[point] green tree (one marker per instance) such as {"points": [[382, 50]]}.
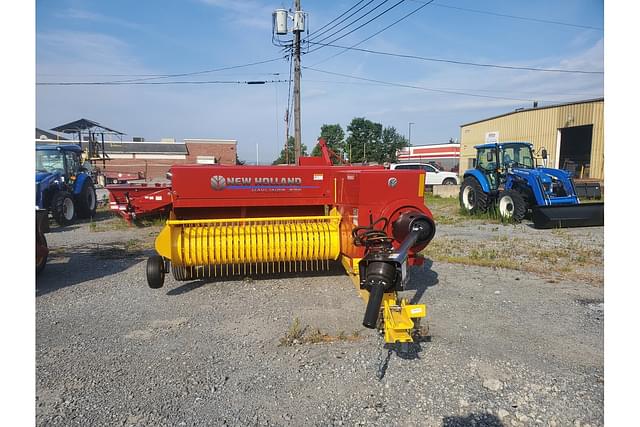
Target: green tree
{"points": [[291, 151], [380, 144], [392, 141], [334, 137], [364, 138]]}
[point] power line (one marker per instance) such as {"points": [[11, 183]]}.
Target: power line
{"points": [[450, 92], [319, 33], [376, 33], [194, 73], [452, 61], [360, 26], [523, 18], [143, 75], [589, 95], [342, 14], [192, 82]]}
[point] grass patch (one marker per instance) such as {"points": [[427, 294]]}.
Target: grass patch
{"points": [[293, 335], [567, 258], [155, 221], [110, 225], [296, 335], [448, 211]]}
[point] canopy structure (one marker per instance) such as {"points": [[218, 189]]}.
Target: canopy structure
{"points": [[90, 129]]}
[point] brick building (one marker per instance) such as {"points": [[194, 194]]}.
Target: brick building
{"points": [[153, 159]]}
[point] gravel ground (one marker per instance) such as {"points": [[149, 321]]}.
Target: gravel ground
{"points": [[506, 347]]}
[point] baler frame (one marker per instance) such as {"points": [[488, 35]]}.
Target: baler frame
{"points": [[227, 220]]}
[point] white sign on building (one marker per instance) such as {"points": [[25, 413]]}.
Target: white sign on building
{"points": [[492, 137]]}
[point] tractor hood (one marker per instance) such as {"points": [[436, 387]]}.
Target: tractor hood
{"points": [[553, 185], [546, 175], [42, 176], [47, 177]]}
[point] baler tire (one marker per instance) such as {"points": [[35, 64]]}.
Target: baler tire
{"points": [[87, 200], [511, 206], [481, 200], [155, 272], [60, 205]]}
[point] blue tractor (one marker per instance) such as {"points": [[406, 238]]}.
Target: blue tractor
{"points": [[505, 176], [63, 186]]}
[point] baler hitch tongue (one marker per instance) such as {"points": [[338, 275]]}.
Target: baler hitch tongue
{"points": [[385, 271], [582, 215]]}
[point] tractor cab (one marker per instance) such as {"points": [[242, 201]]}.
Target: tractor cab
{"points": [[494, 160], [61, 160]]}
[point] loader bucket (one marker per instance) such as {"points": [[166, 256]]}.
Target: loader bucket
{"points": [[560, 216]]}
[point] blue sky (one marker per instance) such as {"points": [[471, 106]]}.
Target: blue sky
{"points": [[90, 41]]}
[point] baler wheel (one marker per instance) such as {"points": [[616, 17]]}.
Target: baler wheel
{"points": [[472, 198], [511, 206], [155, 272], [62, 208]]}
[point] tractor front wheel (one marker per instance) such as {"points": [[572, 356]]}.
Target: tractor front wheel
{"points": [[87, 200], [155, 272], [511, 206], [62, 208], [472, 198]]}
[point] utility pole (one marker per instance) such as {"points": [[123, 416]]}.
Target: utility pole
{"points": [[286, 137], [281, 19], [296, 82]]}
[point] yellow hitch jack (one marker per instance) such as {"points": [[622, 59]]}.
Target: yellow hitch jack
{"points": [[398, 326]]}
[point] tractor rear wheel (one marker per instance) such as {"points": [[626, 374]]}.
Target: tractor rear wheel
{"points": [[472, 198], [155, 272], [511, 205], [87, 200], [62, 208]]}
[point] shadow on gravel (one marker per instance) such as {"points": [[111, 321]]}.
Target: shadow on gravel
{"points": [[335, 269], [421, 279], [404, 351], [84, 264], [485, 420]]}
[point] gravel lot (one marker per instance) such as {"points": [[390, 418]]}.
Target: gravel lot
{"points": [[507, 346]]}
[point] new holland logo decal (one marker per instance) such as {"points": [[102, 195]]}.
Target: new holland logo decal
{"points": [[219, 182]]}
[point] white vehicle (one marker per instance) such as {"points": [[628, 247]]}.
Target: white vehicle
{"points": [[433, 176]]}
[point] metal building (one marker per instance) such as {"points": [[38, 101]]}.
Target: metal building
{"points": [[572, 134]]}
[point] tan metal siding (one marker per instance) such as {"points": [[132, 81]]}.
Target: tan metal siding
{"points": [[540, 127]]}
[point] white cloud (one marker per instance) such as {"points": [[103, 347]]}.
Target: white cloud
{"points": [[86, 15], [245, 14]]}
